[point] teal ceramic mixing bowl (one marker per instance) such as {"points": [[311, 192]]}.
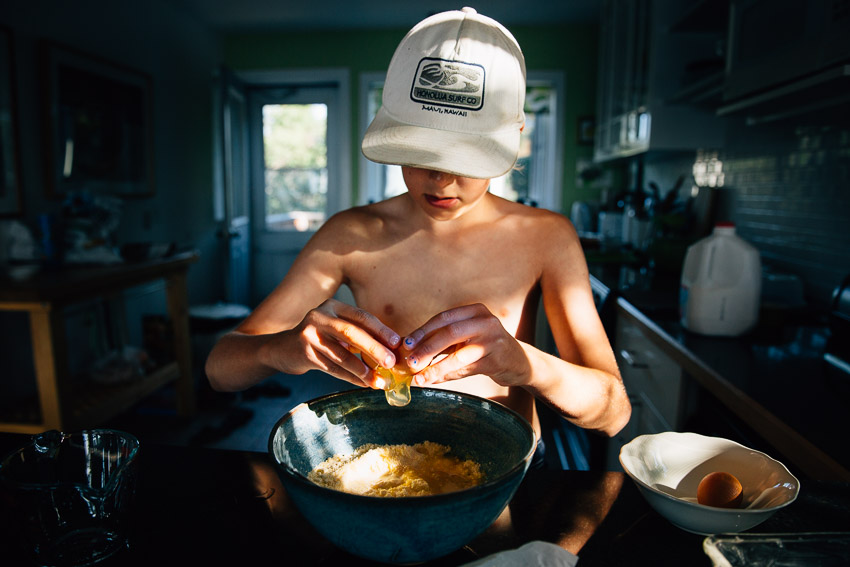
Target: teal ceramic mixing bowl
{"points": [[408, 529]]}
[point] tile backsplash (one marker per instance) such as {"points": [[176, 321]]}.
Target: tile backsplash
{"points": [[786, 186]]}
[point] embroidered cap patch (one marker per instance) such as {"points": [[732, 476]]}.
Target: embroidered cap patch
{"points": [[449, 83]]}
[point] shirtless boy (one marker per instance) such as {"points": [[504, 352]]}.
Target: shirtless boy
{"points": [[446, 277]]}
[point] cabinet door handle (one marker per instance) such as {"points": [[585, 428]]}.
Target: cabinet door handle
{"points": [[630, 360]]}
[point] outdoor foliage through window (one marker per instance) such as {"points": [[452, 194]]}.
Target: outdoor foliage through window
{"points": [[296, 165]]}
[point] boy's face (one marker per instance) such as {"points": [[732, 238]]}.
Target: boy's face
{"points": [[443, 196]]}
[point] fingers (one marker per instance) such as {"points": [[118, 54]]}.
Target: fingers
{"points": [[365, 320], [333, 356], [373, 352], [462, 362], [454, 344], [463, 342], [446, 318], [367, 334], [351, 369], [444, 333], [345, 365], [337, 332]]}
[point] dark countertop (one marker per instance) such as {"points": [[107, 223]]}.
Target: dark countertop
{"points": [[197, 506], [777, 370]]}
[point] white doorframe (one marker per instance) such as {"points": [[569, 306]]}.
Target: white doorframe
{"points": [[552, 183], [275, 251], [339, 129], [367, 169]]}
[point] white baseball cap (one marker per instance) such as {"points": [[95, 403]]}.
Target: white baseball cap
{"points": [[453, 98]]}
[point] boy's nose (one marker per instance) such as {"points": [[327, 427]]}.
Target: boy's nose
{"points": [[441, 176]]}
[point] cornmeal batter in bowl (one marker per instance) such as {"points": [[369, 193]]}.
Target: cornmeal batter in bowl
{"points": [[398, 470]]}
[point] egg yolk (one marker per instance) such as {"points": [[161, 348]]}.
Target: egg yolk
{"points": [[398, 380], [720, 489]]}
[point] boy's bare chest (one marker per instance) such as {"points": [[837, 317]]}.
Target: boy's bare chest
{"points": [[408, 283]]}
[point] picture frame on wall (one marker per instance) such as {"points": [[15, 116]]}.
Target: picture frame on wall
{"points": [[99, 125], [10, 170], [586, 130]]}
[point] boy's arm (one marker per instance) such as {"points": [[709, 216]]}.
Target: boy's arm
{"points": [[298, 327], [583, 385]]}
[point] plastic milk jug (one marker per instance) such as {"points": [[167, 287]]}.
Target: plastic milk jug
{"points": [[720, 290]]}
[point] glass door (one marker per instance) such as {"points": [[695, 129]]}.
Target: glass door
{"points": [[296, 168]]}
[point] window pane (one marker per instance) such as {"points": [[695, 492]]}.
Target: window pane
{"points": [[516, 185], [296, 165], [388, 181]]}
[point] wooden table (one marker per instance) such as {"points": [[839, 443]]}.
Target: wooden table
{"points": [[44, 297]]}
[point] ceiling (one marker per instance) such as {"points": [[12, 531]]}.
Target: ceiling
{"points": [[268, 15]]}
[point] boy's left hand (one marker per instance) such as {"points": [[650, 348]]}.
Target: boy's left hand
{"points": [[465, 341]]}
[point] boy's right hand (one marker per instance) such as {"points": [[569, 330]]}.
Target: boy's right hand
{"points": [[328, 338]]}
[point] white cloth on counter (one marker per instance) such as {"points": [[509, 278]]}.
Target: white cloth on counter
{"points": [[532, 554]]}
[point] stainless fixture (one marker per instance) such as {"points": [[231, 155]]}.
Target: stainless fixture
{"points": [[837, 353]]}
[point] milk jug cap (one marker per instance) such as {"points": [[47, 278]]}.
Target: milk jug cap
{"points": [[724, 228]]}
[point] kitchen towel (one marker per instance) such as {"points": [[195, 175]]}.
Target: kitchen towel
{"points": [[532, 554]]}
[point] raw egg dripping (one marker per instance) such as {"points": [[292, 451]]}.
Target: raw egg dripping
{"points": [[397, 388]]}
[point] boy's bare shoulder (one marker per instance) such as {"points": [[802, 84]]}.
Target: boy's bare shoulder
{"points": [[539, 221], [348, 228], [547, 236]]}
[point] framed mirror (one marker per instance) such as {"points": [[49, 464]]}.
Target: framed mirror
{"points": [[100, 134]]}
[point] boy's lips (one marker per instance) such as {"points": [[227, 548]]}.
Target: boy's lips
{"points": [[441, 202]]}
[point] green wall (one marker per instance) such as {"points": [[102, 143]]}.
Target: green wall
{"points": [[570, 48]]}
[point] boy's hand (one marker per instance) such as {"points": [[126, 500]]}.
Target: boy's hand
{"points": [[462, 342], [329, 337]]}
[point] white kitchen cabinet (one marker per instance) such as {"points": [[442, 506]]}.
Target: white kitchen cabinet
{"points": [[646, 61], [653, 381]]}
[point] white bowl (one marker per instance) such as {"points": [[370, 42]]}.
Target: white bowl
{"points": [[668, 467]]}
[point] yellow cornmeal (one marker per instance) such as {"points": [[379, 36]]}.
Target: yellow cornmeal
{"points": [[398, 470]]}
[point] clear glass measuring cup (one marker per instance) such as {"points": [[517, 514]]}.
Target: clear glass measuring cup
{"points": [[70, 494]]}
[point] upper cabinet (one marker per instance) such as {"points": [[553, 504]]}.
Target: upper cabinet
{"points": [[661, 64], [786, 57], [672, 71]]}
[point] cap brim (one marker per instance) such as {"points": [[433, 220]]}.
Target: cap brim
{"points": [[482, 156]]}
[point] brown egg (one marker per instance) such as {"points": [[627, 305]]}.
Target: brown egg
{"points": [[720, 489]]}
